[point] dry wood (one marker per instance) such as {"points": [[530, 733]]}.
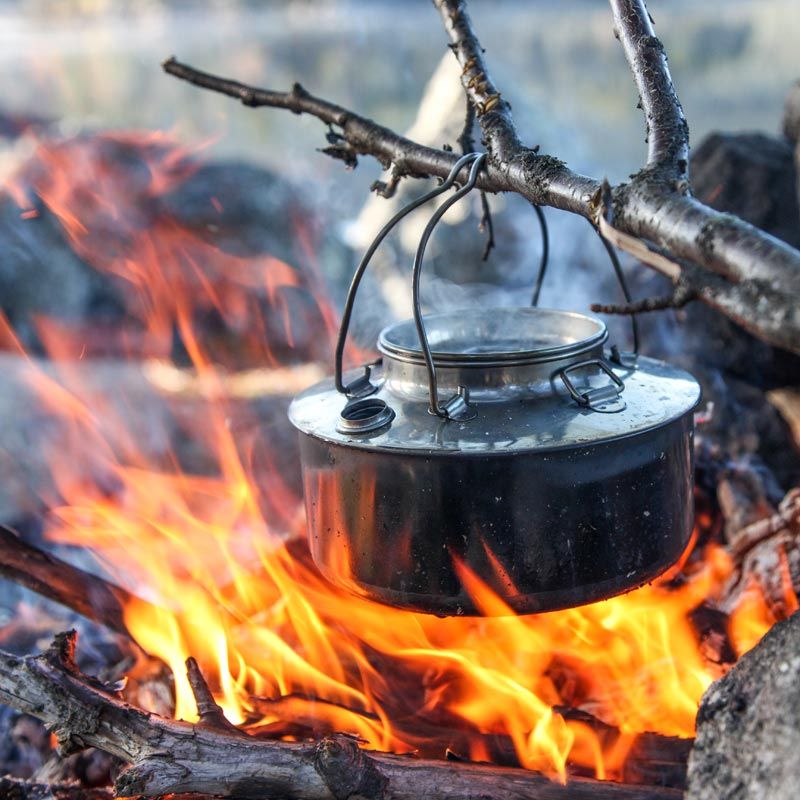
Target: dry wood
{"points": [[167, 756], [787, 401], [743, 272], [765, 546], [654, 759], [89, 595]]}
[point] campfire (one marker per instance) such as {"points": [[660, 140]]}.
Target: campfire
{"points": [[169, 511]]}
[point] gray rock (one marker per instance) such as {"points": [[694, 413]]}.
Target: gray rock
{"points": [[748, 725]]}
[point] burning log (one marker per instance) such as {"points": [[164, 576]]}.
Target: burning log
{"points": [[167, 756], [653, 759], [89, 595], [764, 544]]}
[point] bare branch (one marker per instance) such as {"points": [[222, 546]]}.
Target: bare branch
{"points": [[209, 711], [678, 299], [494, 112], [362, 135], [737, 268], [81, 591], [667, 131]]}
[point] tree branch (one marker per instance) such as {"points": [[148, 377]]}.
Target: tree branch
{"points": [[667, 131], [554, 185], [166, 756], [89, 595], [494, 112], [678, 299], [745, 273]]}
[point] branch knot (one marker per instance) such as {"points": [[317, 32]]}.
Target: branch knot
{"points": [[348, 771]]}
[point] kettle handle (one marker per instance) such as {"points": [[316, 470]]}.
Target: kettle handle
{"points": [[623, 359], [457, 407], [362, 386]]}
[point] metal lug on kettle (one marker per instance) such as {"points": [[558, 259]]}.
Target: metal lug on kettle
{"points": [[458, 407], [622, 358], [596, 399], [361, 386]]}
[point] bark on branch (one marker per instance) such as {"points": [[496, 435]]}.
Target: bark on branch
{"points": [[667, 130], [743, 272], [166, 756]]}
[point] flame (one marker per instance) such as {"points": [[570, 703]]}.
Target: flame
{"points": [[217, 557]]}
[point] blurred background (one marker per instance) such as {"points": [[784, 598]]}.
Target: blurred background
{"points": [[83, 65], [95, 63]]}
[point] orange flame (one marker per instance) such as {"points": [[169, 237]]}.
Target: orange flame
{"points": [[288, 654]]}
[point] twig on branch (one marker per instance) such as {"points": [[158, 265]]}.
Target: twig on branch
{"points": [[678, 299], [166, 756], [209, 711]]}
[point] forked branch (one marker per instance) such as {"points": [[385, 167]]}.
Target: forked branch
{"points": [[743, 272]]}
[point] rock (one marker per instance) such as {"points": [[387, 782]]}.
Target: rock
{"points": [[748, 726], [751, 175]]}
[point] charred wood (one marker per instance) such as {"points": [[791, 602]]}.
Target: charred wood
{"points": [[18, 789], [167, 756]]}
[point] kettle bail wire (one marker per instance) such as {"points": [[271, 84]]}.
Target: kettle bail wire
{"points": [[456, 407], [362, 386], [618, 357]]}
